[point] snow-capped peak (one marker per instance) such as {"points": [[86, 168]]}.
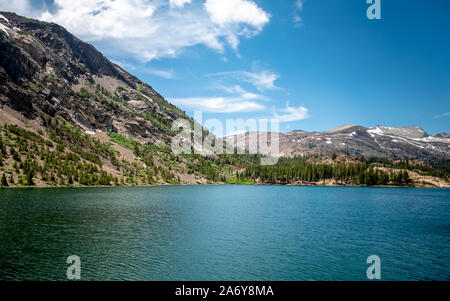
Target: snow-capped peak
{"points": [[412, 132]]}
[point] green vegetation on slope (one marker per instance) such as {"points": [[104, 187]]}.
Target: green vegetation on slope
{"points": [[121, 140], [64, 155], [68, 156]]}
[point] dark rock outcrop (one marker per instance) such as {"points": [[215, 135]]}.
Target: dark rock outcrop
{"points": [[44, 68]]}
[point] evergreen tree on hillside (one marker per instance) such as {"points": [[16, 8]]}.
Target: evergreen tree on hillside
{"points": [[30, 175], [2, 147], [4, 182]]}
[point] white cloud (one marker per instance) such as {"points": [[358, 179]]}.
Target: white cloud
{"points": [[264, 80], [178, 3], [219, 104], [236, 11], [152, 29], [290, 114], [442, 115], [238, 90], [238, 100], [103, 19]]}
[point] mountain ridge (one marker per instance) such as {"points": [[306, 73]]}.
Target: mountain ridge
{"points": [[410, 142]]}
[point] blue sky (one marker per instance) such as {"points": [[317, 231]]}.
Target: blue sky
{"points": [[314, 64]]}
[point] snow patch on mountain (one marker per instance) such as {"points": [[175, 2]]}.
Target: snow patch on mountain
{"points": [[3, 18], [412, 132], [375, 131], [4, 28], [433, 139]]}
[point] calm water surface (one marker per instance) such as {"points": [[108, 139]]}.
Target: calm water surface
{"points": [[225, 233]]}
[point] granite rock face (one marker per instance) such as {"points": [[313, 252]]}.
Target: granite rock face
{"points": [[44, 68]]}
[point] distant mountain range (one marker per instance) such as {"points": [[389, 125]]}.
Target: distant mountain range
{"points": [[69, 103], [379, 141]]}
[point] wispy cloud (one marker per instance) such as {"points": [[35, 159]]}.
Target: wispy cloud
{"points": [[219, 104], [238, 90], [152, 29], [264, 80], [290, 114], [446, 114], [167, 74], [299, 5], [298, 8], [242, 100], [237, 100]]}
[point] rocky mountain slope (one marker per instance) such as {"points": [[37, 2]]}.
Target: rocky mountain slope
{"points": [[68, 116], [45, 69], [379, 141]]}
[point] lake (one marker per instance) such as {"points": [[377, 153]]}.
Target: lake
{"points": [[225, 232]]}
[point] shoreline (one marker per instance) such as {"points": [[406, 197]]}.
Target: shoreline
{"points": [[216, 184]]}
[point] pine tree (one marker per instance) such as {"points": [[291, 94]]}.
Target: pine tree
{"points": [[405, 178], [30, 175], [2, 146], [4, 181]]}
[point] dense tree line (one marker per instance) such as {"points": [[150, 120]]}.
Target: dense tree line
{"points": [[300, 170]]}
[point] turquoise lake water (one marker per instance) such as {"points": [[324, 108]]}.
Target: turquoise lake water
{"points": [[225, 233]]}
